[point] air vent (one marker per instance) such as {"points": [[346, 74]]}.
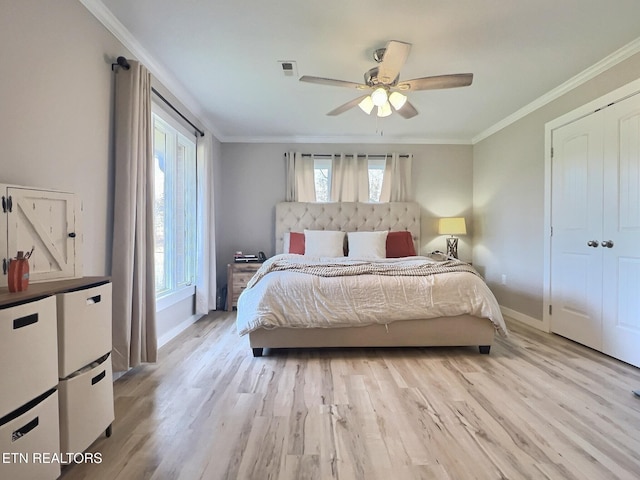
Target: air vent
{"points": [[289, 68]]}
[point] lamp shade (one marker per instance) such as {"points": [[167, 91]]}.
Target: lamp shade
{"points": [[366, 105], [384, 110], [452, 226], [397, 100], [379, 96]]}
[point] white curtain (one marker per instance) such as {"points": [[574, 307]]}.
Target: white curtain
{"points": [[350, 178], [206, 275], [132, 269], [396, 182], [301, 186]]}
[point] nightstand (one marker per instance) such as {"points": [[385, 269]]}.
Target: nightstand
{"points": [[238, 275]]}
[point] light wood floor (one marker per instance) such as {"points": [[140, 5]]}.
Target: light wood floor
{"points": [[537, 407]]}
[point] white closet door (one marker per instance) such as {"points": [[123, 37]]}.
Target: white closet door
{"points": [[621, 225], [576, 261]]}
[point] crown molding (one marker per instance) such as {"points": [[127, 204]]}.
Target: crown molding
{"points": [[368, 139], [124, 36], [609, 61]]}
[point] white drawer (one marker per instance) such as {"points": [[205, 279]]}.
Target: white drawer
{"points": [[29, 441], [28, 348], [86, 406], [84, 327]]}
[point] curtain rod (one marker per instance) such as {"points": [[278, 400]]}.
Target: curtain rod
{"points": [[329, 155], [177, 111]]}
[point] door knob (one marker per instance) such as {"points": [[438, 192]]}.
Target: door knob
{"points": [[593, 243], [607, 243]]}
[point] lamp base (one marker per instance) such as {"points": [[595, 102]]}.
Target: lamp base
{"points": [[452, 247]]}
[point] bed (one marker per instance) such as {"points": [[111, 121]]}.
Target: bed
{"points": [[288, 304]]}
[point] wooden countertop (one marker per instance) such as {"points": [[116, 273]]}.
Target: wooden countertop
{"points": [[45, 289]]}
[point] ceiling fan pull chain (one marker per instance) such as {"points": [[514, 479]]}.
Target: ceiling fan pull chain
{"points": [[379, 130]]}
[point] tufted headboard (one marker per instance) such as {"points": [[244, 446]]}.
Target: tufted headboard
{"points": [[347, 217]]}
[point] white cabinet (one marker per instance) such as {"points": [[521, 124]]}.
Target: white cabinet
{"points": [[56, 382], [595, 261], [44, 219]]}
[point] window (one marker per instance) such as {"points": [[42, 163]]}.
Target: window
{"points": [[174, 206], [322, 176], [376, 173]]}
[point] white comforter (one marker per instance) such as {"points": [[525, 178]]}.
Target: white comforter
{"points": [[301, 300]]}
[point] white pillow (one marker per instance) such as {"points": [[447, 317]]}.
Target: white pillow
{"points": [[324, 243], [368, 244]]}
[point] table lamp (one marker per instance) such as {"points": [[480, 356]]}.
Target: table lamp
{"points": [[452, 226]]}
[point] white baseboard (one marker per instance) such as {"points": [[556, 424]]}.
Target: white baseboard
{"points": [[526, 319], [175, 331]]}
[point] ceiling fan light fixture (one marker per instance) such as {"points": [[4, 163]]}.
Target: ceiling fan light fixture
{"points": [[383, 86], [366, 105], [397, 100], [379, 96], [384, 110]]}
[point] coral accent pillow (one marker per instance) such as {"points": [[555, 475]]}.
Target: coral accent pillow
{"points": [[400, 244], [296, 243]]}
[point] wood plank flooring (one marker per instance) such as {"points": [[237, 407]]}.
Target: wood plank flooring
{"points": [[538, 407]]}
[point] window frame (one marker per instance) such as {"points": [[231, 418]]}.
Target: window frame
{"points": [[178, 289]]}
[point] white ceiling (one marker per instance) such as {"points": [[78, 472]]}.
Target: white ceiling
{"points": [[224, 56]]}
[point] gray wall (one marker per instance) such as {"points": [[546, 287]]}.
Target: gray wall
{"points": [[508, 195], [56, 96], [56, 117], [253, 181]]}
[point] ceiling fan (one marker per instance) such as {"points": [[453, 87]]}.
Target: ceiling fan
{"points": [[385, 86]]}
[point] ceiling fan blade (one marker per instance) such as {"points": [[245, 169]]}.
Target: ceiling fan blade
{"points": [[332, 82], [395, 55], [437, 82], [347, 106], [407, 110]]}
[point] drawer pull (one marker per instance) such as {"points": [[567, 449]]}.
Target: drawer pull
{"points": [[98, 377], [24, 321], [93, 300], [21, 432]]}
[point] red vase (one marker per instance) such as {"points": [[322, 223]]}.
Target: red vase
{"points": [[18, 280]]}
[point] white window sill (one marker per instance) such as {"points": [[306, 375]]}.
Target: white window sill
{"points": [[171, 299]]}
